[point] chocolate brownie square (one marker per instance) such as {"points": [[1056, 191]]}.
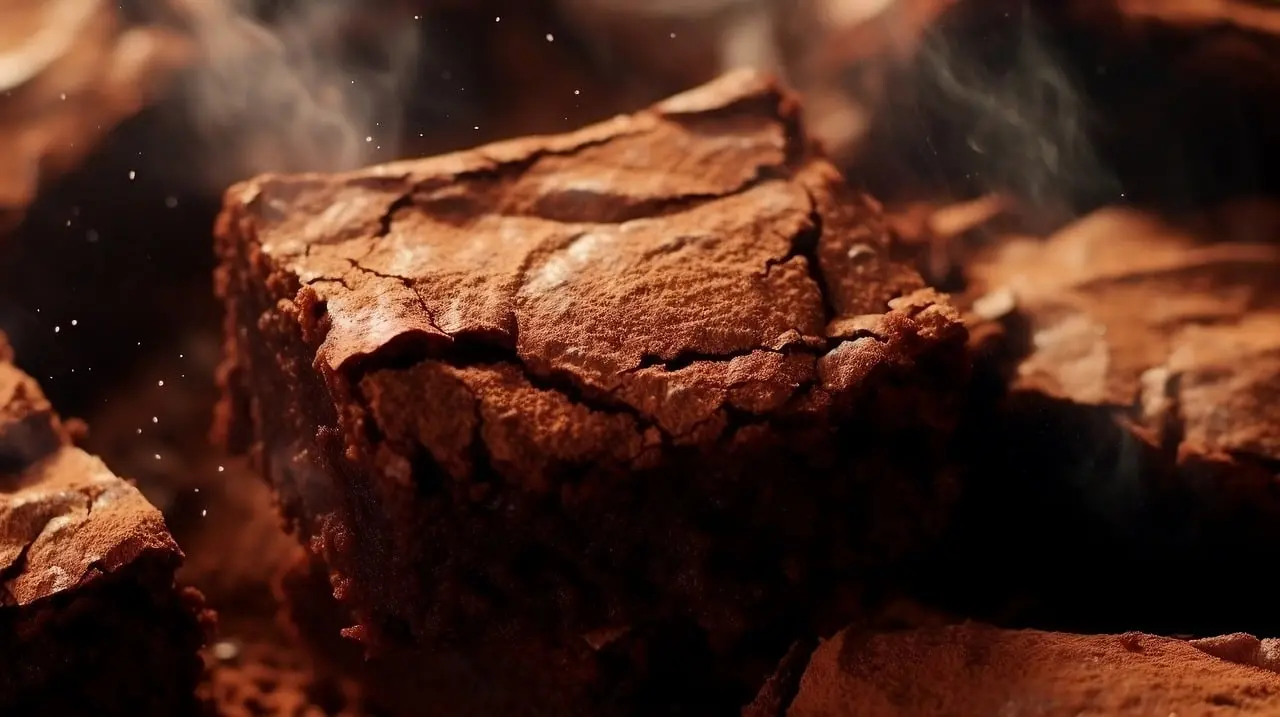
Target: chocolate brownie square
{"points": [[592, 422], [1140, 436], [91, 621]]}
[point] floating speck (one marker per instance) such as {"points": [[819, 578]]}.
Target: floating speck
{"points": [[160, 384], [368, 139], [74, 322], [63, 96], [132, 174], [157, 456], [226, 651], [550, 37], [673, 36], [577, 92], [204, 512], [221, 469], [57, 329], [155, 419]]}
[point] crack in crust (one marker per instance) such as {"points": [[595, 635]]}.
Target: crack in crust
{"points": [[670, 244], [590, 381], [1126, 312], [65, 519]]}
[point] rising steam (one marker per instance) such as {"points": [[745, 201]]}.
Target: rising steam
{"points": [[313, 85], [1014, 100], [1025, 120]]}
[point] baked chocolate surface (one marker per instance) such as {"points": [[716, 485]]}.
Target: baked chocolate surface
{"points": [[91, 621], [1138, 438], [1127, 311], [976, 669], [593, 422]]}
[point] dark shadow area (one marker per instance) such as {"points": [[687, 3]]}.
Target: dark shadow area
{"points": [[1073, 521], [1070, 111]]}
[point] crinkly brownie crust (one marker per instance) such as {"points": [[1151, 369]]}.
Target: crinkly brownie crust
{"points": [[90, 618], [656, 377]]}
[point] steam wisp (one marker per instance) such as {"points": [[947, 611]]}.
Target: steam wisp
{"points": [[317, 85]]}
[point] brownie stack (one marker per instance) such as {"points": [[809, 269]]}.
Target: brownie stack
{"points": [[91, 621], [593, 423]]}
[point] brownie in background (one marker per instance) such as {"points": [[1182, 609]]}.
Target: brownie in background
{"points": [[1128, 437]]}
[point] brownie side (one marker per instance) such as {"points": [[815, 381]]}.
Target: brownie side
{"points": [[1138, 437], [90, 617], [641, 402], [29, 429]]}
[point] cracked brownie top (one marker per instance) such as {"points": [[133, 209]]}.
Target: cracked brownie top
{"points": [[627, 285], [1125, 311], [65, 519]]}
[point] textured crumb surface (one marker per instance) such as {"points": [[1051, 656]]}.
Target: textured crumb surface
{"points": [[264, 674], [1124, 311], [979, 670], [90, 616], [29, 430], [655, 387], [1133, 433], [1243, 649], [1177, 336], [238, 551]]}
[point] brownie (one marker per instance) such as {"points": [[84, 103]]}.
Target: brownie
{"points": [[975, 669], [91, 620], [596, 422], [70, 76], [1127, 310], [1138, 438]]}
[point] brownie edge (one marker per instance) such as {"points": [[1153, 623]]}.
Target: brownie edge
{"points": [[596, 422], [91, 620]]}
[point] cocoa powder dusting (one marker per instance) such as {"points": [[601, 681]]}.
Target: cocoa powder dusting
{"points": [[971, 669]]}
